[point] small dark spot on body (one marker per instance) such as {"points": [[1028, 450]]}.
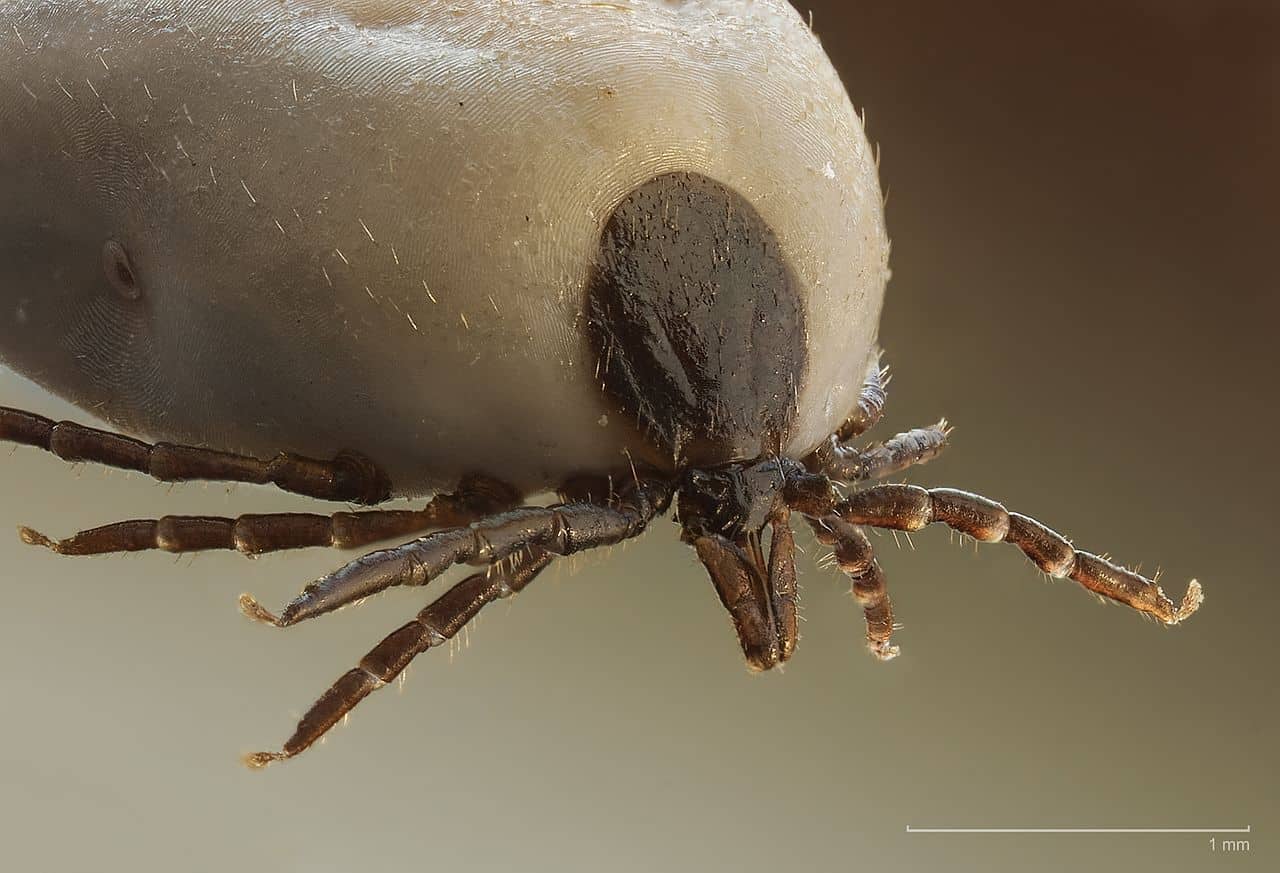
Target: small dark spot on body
{"points": [[119, 271]]}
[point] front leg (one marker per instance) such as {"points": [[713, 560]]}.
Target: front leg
{"points": [[910, 508]]}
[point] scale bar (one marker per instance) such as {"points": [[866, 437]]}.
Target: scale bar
{"points": [[915, 830]]}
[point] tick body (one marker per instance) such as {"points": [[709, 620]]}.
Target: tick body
{"points": [[374, 224], [633, 253]]}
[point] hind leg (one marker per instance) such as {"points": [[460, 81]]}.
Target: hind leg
{"points": [[350, 477]]}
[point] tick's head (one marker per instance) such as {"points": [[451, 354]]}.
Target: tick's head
{"points": [[733, 499]]}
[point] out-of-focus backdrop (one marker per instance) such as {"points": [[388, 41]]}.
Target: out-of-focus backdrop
{"points": [[1084, 214]]}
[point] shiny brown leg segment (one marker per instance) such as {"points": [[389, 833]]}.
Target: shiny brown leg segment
{"points": [[910, 508], [561, 530], [857, 560], [847, 464], [434, 625], [783, 590], [350, 477], [476, 497]]}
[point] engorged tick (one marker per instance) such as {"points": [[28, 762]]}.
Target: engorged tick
{"points": [[631, 253]]}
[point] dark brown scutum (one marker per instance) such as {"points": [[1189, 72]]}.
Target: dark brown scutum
{"points": [[696, 322]]}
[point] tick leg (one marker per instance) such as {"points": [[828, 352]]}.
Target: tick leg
{"points": [[783, 589], [854, 555], [349, 477], [561, 530], [847, 464], [257, 534], [909, 508], [742, 591], [871, 400], [438, 622]]}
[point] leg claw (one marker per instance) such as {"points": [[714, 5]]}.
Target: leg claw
{"points": [[1190, 603], [259, 760], [259, 613], [34, 538], [883, 651]]}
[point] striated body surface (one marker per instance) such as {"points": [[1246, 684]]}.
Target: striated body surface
{"points": [[316, 225], [493, 248]]}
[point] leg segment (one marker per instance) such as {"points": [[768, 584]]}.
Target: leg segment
{"points": [[741, 587], [438, 622], [909, 508], [857, 560], [349, 477], [871, 400], [847, 464], [561, 530], [783, 590], [256, 534]]}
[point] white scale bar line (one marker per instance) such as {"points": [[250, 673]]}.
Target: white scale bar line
{"points": [[1244, 830]]}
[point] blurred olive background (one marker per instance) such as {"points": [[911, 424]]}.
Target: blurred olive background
{"points": [[1083, 208]]}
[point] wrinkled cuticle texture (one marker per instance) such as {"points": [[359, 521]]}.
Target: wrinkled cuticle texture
{"points": [[372, 225]]}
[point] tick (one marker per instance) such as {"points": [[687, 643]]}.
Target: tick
{"points": [[631, 253]]}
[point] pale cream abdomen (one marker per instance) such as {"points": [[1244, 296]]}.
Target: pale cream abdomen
{"points": [[368, 225]]}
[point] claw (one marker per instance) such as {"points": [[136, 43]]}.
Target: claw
{"points": [[33, 537], [883, 651], [259, 760], [1190, 603], [259, 613]]}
